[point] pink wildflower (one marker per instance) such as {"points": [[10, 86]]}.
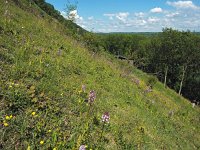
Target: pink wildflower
{"points": [[105, 117], [92, 96]]}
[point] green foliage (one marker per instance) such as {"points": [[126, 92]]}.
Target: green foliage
{"points": [[176, 50], [49, 9], [170, 50]]}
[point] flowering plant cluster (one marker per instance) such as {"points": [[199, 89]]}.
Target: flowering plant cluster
{"points": [[105, 117], [7, 118], [90, 113], [92, 96]]}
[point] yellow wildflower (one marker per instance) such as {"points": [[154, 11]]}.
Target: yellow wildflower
{"points": [[17, 85], [33, 113], [28, 148], [41, 142], [7, 118], [5, 124], [49, 131], [54, 149]]}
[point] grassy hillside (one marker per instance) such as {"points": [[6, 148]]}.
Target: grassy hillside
{"points": [[44, 106]]}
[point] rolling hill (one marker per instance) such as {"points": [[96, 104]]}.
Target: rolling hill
{"points": [[54, 92]]}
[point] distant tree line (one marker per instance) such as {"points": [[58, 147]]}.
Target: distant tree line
{"points": [[173, 56]]}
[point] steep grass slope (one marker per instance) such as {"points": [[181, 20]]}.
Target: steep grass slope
{"points": [[43, 105]]}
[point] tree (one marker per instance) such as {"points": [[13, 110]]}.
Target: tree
{"points": [[71, 10]]}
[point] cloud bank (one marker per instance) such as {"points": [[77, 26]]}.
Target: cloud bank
{"points": [[181, 15]]}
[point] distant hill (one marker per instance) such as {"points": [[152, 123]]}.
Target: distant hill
{"points": [[138, 33], [56, 93]]}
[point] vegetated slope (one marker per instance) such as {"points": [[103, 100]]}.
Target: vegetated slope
{"points": [[43, 105]]}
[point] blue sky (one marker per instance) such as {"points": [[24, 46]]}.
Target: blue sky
{"points": [[134, 15]]}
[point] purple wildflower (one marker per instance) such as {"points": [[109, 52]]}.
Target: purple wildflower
{"points": [[105, 117], [82, 147], [92, 96]]}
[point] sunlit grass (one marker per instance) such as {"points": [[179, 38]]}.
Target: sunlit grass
{"points": [[56, 101]]}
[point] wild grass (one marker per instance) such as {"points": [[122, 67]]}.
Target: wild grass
{"points": [[42, 73]]}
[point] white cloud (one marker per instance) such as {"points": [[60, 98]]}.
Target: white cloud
{"points": [[183, 4], [140, 14], [172, 14], [72, 15], [156, 10], [110, 16], [122, 16], [90, 18], [153, 20], [142, 22], [181, 19]]}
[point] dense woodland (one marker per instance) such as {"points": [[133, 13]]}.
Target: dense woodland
{"points": [[173, 56]]}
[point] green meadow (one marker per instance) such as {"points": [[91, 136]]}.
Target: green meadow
{"points": [[46, 80]]}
